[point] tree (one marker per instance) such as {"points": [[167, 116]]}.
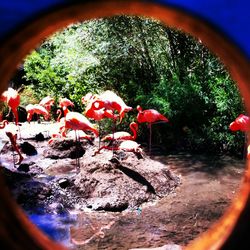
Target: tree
{"points": [[149, 64]]}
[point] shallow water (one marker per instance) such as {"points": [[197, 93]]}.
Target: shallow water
{"points": [[56, 226]]}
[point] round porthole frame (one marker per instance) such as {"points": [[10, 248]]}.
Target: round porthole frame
{"points": [[229, 232]]}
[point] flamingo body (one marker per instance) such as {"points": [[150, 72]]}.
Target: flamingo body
{"points": [[11, 132], [150, 116], [12, 98], [81, 135], [77, 121], [36, 109], [242, 123], [65, 102], [110, 101], [98, 114], [127, 146], [47, 102], [122, 135]]}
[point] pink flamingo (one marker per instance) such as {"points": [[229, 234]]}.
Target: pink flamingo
{"points": [[36, 109], [12, 98], [11, 132], [150, 116], [47, 102], [77, 121], [96, 114], [92, 112], [64, 103], [242, 123], [59, 113], [122, 135], [61, 124], [81, 136], [127, 146], [110, 101]]}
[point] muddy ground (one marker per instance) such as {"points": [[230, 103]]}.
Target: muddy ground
{"points": [[168, 199]]}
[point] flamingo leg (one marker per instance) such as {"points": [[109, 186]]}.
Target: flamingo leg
{"points": [[77, 158], [99, 128], [150, 137], [114, 129], [19, 132], [13, 155], [16, 119], [15, 148]]}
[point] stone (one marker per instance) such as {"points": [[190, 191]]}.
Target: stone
{"points": [[63, 183], [28, 149], [24, 167]]}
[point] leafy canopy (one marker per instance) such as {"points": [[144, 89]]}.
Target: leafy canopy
{"points": [[149, 64]]}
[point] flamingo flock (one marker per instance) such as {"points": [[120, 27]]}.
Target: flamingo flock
{"points": [[106, 105]]}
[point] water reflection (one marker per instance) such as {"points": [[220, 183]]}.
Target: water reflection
{"points": [[56, 226]]}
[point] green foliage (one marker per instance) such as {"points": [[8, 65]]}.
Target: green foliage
{"points": [[149, 64], [28, 97]]}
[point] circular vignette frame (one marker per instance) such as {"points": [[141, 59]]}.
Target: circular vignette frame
{"points": [[229, 232]]}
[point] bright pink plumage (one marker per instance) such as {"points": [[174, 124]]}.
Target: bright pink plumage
{"points": [[36, 109], [122, 135], [242, 123], [149, 115], [110, 101], [12, 98], [65, 102], [98, 114], [128, 146], [77, 121]]}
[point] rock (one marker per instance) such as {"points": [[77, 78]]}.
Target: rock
{"points": [[13, 178], [119, 184], [32, 195], [61, 149], [63, 183], [24, 167], [57, 208], [39, 137], [110, 204], [28, 149], [76, 152]]}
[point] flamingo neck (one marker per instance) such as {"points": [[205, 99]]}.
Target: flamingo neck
{"points": [[59, 112], [65, 110], [4, 124], [139, 109], [133, 128], [106, 147]]}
